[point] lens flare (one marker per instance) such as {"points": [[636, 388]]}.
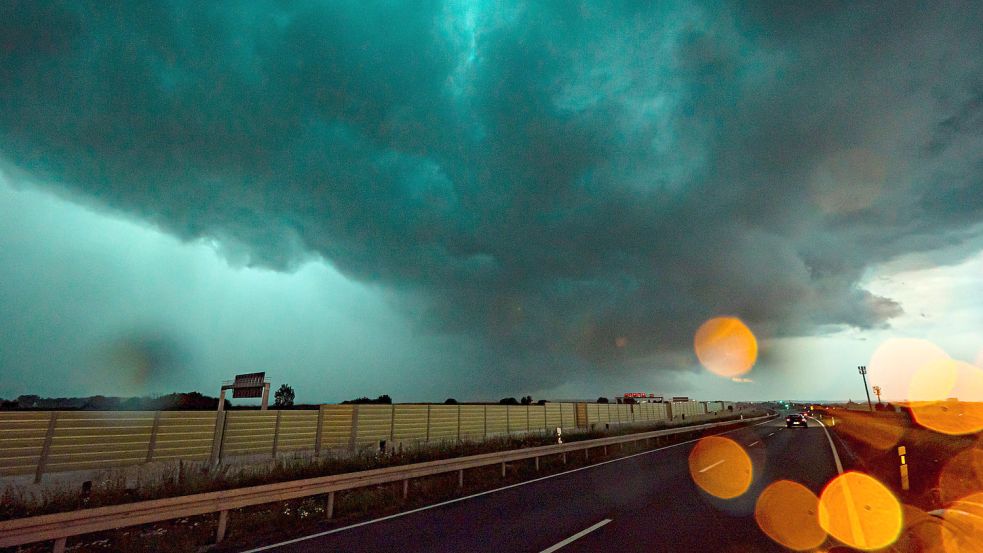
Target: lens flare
{"points": [[934, 390], [962, 475], [726, 346], [964, 521], [860, 511], [720, 467], [788, 513], [922, 532], [895, 362]]}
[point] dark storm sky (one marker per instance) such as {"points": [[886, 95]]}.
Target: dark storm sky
{"points": [[561, 189]]}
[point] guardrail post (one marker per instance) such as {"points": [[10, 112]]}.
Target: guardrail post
{"points": [[219, 438], [406, 488], [460, 478], [153, 438], [59, 545], [319, 431], [223, 523], [537, 463], [503, 469], [587, 454], [46, 448], [276, 432], [564, 454], [605, 451], [330, 508]]}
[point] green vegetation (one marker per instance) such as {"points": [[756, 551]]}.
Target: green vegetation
{"points": [[384, 399], [284, 397]]}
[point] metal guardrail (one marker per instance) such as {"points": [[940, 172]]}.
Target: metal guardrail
{"points": [[60, 526]]}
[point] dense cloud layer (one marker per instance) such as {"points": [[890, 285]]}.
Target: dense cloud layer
{"points": [[570, 185]]}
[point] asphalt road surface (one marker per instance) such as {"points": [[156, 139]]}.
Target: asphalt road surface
{"points": [[647, 502]]}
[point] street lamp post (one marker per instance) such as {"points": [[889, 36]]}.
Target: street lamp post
{"points": [[863, 373]]}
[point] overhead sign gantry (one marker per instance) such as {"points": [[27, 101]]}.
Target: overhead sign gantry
{"points": [[245, 386]]}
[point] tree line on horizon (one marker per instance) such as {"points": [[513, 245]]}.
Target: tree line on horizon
{"points": [[196, 401]]}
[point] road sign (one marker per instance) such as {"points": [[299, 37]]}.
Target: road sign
{"points": [[248, 385]]}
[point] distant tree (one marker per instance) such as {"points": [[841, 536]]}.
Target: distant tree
{"points": [[542, 402], [384, 399], [102, 403], [508, 401], [602, 400], [28, 401], [527, 400], [357, 400], [284, 396], [730, 408], [450, 401], [630, 401]]}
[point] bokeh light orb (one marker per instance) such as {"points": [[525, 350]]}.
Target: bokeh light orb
{"points": [[964, 521], [720, 467], [963, 474], [860, 511], [726, 346], [788, 513], [922, 532], [934, 391], [895, 362]]}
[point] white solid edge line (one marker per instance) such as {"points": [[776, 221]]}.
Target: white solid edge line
{"points": [[754, 443], [836, 456], [576, 536], [479, 494]]}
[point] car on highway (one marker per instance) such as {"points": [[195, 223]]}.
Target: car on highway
{"points": [[795, 419]]}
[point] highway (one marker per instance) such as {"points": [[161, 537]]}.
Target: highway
{"points": [[644, 502]]}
